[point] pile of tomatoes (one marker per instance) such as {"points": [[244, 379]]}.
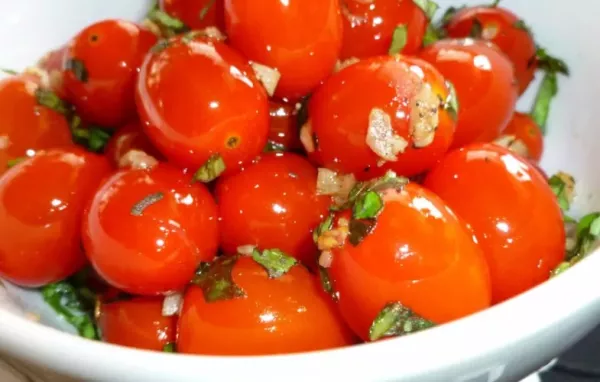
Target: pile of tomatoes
{"points": [[244, 182]]}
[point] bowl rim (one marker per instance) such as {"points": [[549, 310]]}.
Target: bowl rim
{"points": [[536, 311]]}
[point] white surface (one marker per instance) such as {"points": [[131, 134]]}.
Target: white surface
{"points": [[501, 344]]}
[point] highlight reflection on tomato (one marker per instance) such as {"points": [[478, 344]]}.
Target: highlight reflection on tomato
{"points": [[510, 209]]}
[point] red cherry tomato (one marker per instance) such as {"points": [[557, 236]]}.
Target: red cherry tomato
{"points": [[137, 323], [215, 107], [411, 94], [101, 67], [272, 204], [505, 30], [129, 137], [26, 125], [146, 231], [524, 137], [511, 210], [196, 14], [419, 254], [41, 203], [281, 315], [485, 84], [369, 26], [284, 126], [300, 38]]}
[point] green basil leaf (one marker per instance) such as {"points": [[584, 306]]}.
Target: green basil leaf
{"points": [[69, 303], [190, 36], [50, 100], [541, 106], [367, 206], [326, 282], [78, 68], [520, 24], [476, 29], [139, 208], [561, 268], [205, 9], [98, 138], [449, 15], [360, 229], [276, 262], [399, 39], [160, 46], [166, 21], [432, 34], [563, 186], [216, 281], [211, 170], [171, 347], [9, 71], [451, 104], [429, 7], [551, 64], [494, 3], [325, 225], [397, 320], [15, 161]]}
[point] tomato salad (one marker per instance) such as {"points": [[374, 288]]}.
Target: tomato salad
{"points": [[227, 179]]}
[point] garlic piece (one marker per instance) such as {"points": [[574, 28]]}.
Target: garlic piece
{"points": [[424, 116], [382, 139], [513, 144], [269, 77]]}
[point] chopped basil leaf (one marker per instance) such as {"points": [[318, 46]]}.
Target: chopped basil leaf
{"points": [[78, 68], [367, 206], [276, 262], [360, 229], [520, 24], [541, 106], [9, 71], [211, 170], [561, 268], [449, 14], [71, 304], [98, 139], [429, 7], [397, 320], [274, 147], [216, 281], [205, 9], [170, 348], [13, 162], [50, 100], [325, 225], [165, 21], [476, 29], [432, 34], [549, 63], [563, 186], [495, 3], [160, 46], [389, 181], [451, 103], [326, 282], [399, 39], [139, 208], [190, 36]]}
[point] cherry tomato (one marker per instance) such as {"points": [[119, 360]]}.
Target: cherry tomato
{"points": [[26, 125], [407, 92], [283, 130], [419, 254], [137, 323], [302, 39], [524, 137], [272, 204], [485, 84], [129, 137], [511, 210], [41, 203], [196, 14], [215, 107], [277, 315], [101, 67], [146, 231], [503, 28], [369, 26]]}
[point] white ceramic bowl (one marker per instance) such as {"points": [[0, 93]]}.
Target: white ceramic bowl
{"points": [[504, 343]]}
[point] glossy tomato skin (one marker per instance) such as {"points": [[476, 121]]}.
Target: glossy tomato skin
{"points": [[283, 127], [300, 38], [110, 53], [217, 107], [157, 249], [41, 203], [289, 314], [510, 209], [129, 137], [485, 85], [503, 28], [27, 126], [137, 323], [196, 14], [430, 265], [369, 26], [272, 203], [339, 115], [524, 136]]}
